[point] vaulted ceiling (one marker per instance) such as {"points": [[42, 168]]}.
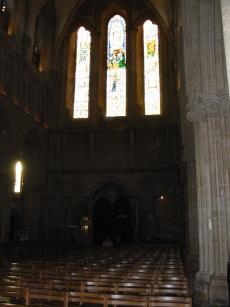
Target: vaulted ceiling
{"points": [[64, 10]]}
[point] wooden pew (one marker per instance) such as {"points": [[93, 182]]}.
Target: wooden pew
{"points": [[169, 290], [12, 305], [125, 271], [86, 297], [133, 288], [47, 295], [12, 292], [127, 300], [99, 287], [169, 301]]}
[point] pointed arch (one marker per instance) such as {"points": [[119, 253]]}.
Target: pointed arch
{"points": [[43, 37], [82, 74], [116, 67], [152, 91], [18, 181]]}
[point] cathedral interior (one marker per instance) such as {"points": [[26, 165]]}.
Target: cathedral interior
{"points": [[114, 124]]}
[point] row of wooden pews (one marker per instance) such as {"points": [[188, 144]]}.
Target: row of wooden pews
{"points": [[132, 275]]}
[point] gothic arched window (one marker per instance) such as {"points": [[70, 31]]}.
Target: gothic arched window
{"points": [[6, 8], [98, 88], [152, 91], [18, 177], [116, 67], [82, 74]]}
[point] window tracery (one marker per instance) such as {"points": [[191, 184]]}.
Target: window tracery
{"points": [[111, 90]]}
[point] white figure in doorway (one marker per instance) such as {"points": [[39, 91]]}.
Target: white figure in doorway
{"points": [[107, 243]]}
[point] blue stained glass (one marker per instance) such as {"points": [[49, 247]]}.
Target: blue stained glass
{"points": [[116, 67]]}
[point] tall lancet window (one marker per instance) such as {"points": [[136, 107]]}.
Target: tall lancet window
{"points": [[18, 177], [82, 74], [152, 96], [116, 67]]}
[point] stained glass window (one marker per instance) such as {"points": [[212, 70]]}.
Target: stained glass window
{"points": [[116, 67], [151, 69], [18, 178], [82, 74]]}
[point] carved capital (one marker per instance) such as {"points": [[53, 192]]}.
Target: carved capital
{"points": [[208, 107], [224, 100]]}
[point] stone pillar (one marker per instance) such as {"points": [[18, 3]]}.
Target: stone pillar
{"points": [[208, 109], [94, 80], [192, 243], [135, 216], [5, 185], [43, 213], [188, 164], [92, 144], [131, 76], [225, 8], [32, 216], [212, 145], [89, 232], [132, 144]]}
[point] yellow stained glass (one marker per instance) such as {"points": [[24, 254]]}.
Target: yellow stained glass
{"points": [[116, 67], [82, 74], [152, 99]]}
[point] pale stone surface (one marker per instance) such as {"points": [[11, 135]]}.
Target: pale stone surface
{"points": [[225, 6], [208, 109]]}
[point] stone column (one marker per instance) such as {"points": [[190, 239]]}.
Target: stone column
{"points": [[92, 144], [131, 76], [225, 8], [134, 216], [94, 113], [188, 165], [89, 232], [5, 184], [208, 109], [212, 145], [32, 218], [192, 243]]}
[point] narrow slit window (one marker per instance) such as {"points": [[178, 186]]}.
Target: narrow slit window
{"points": [[152, 96], [18, 178], [116, 67], [82, 74]]}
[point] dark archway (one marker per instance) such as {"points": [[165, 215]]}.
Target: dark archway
{"points": [[14, 225], [112, 215], [102, 226]]}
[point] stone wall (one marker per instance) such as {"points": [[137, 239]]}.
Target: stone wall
{"points": [[24, 97]]}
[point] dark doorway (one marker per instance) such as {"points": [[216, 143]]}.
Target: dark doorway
{"points": [[14, 225], [102, 226], [112, 215]]}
